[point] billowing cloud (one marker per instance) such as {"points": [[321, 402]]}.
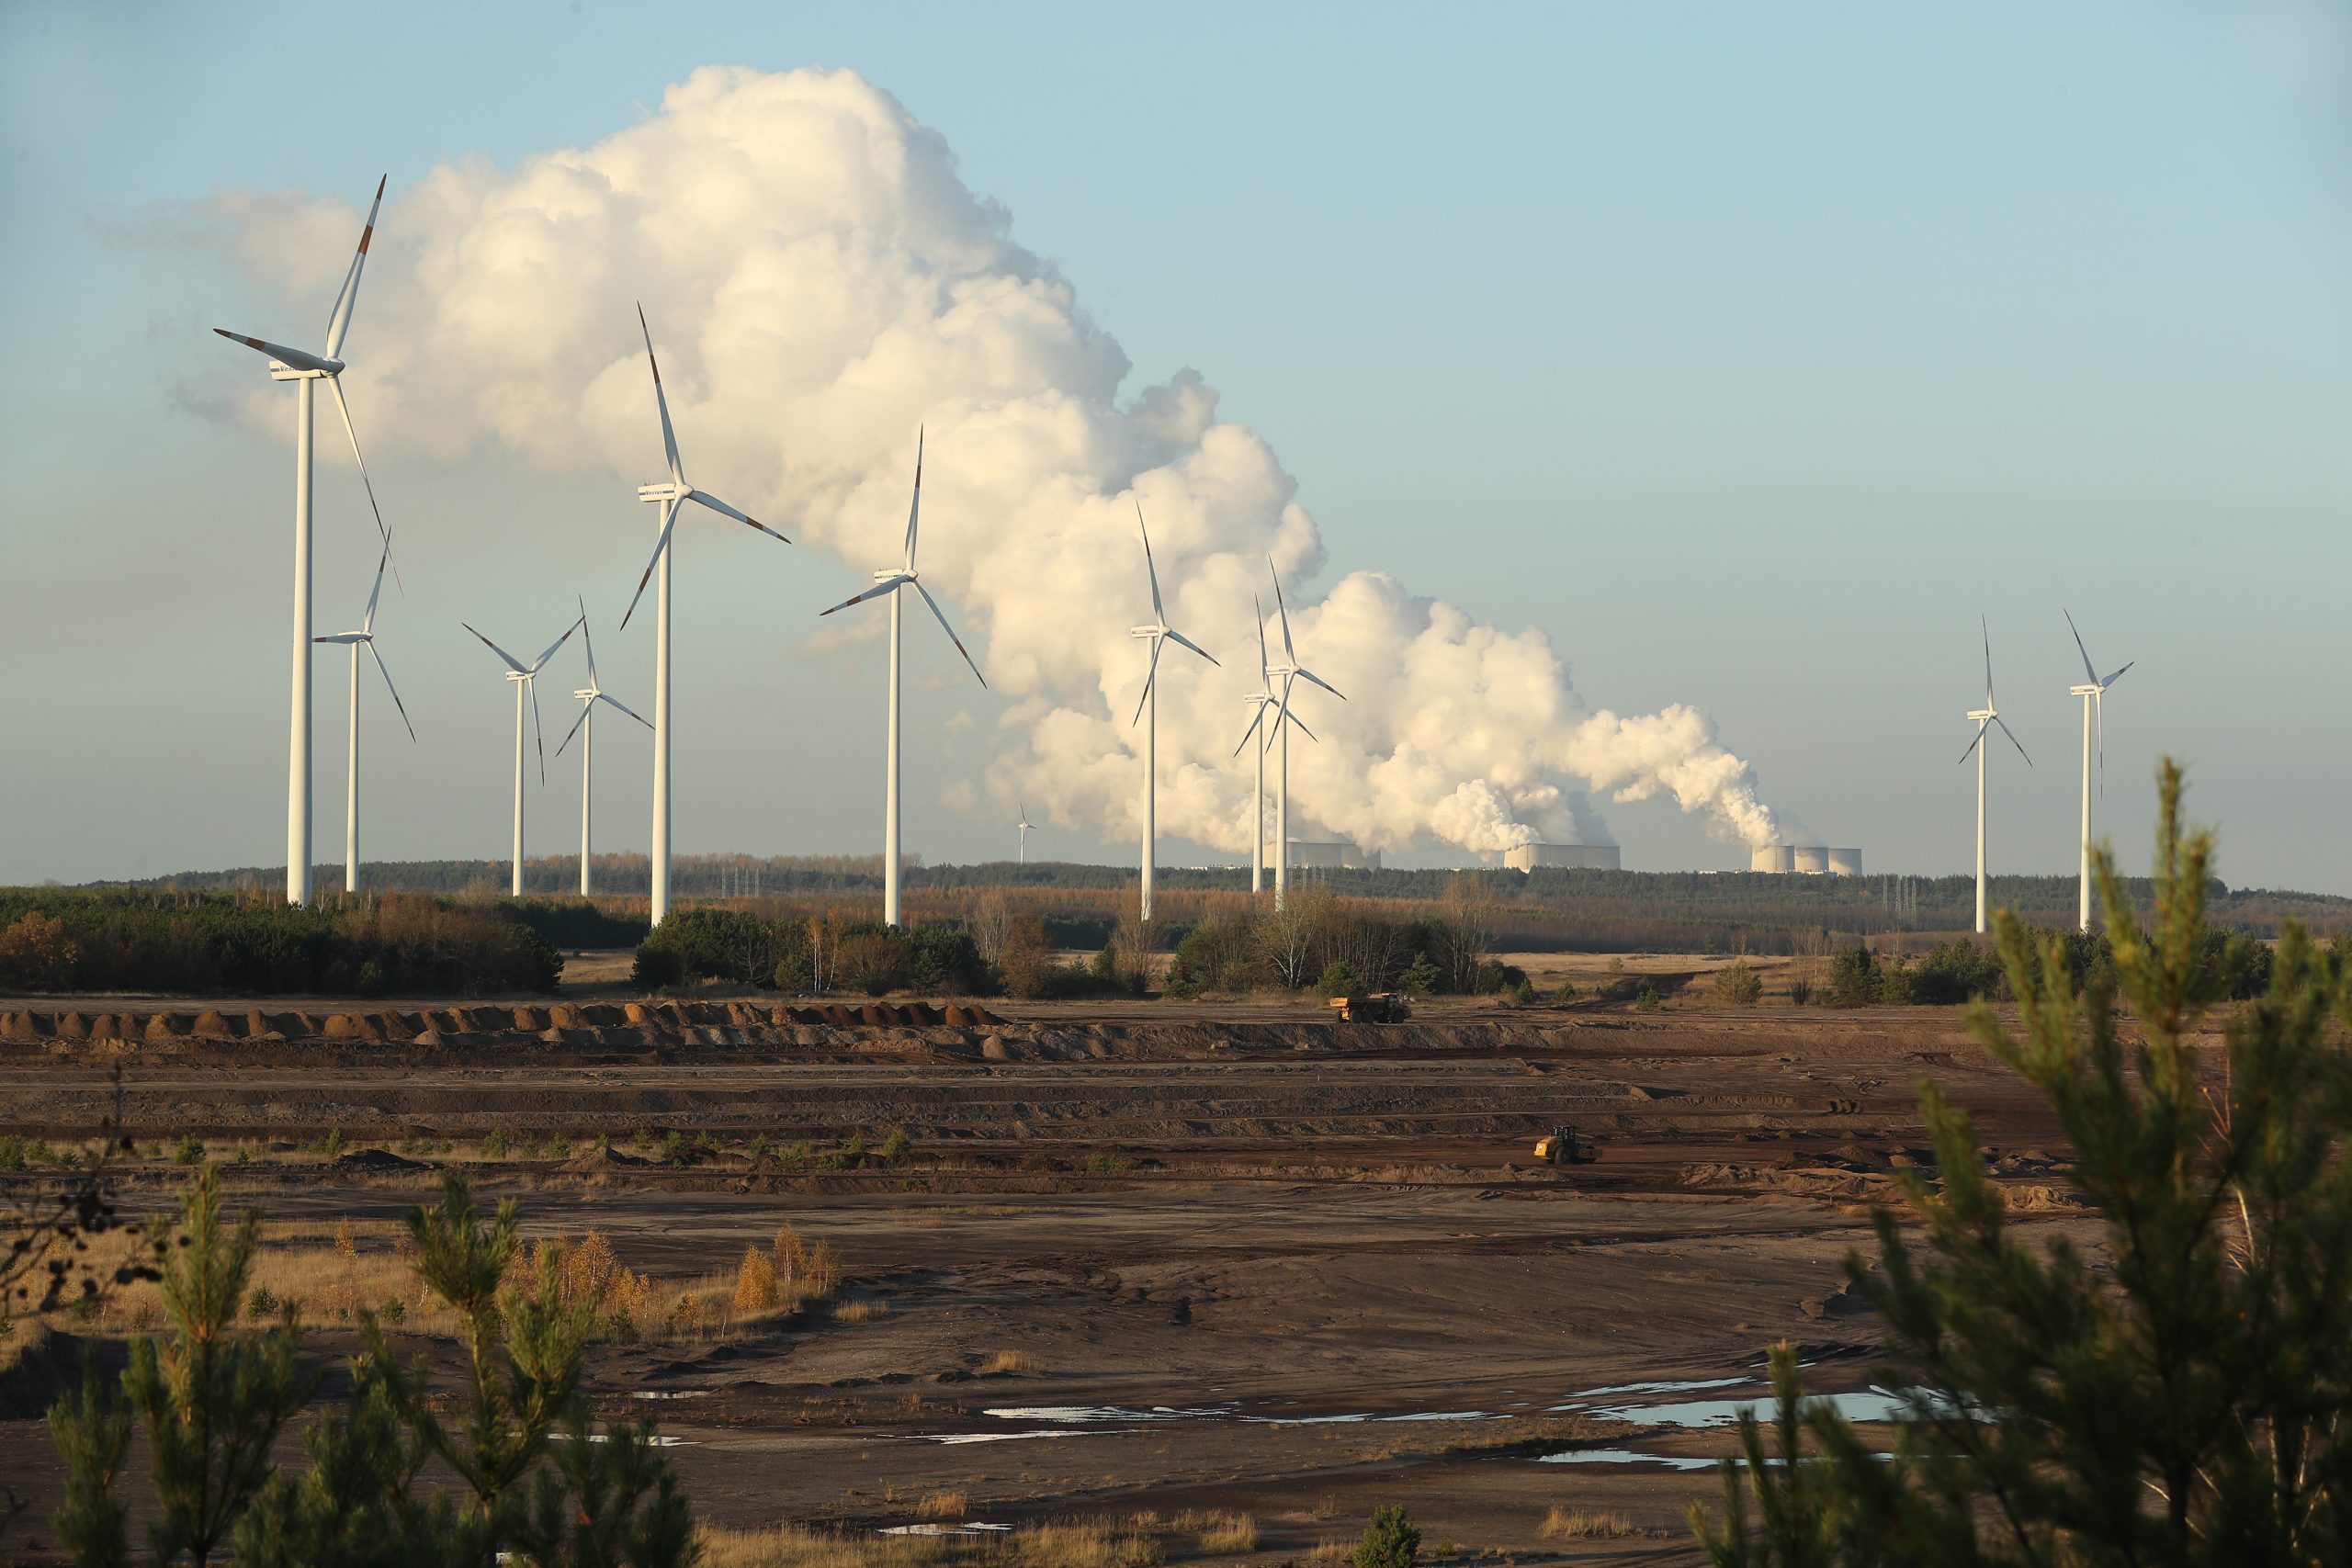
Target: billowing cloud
{"points": [[821, 283]]}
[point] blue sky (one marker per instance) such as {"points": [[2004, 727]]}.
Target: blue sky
{"points": [[1750, 352]]}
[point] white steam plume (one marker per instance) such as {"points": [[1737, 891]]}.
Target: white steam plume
{"points": [[822, 282]]}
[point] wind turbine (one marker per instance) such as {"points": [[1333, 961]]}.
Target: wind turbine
{"points": [[1259, 702], [887, 581], [1157, 633], [2094, 694], [585, 728], [525, 679], [1985, 718], [671, 495], [364, 637], [305, 369], [1291, 671], [1021, 847]]}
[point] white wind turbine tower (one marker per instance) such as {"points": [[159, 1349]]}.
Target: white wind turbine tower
{"points": [[305, 369], [671, 495], [1021, 847], [2094, 694], [1157, 633], [1291, 671], [364, 638], [1985, 718], [525, 679], [585, 728], [888, 580], [1259, 702]]}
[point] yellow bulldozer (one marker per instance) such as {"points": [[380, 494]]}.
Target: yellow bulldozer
{"points": [[1562, 1147]]}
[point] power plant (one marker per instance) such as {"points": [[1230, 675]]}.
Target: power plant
{"points": [[1811, 860], [1570, 857]]}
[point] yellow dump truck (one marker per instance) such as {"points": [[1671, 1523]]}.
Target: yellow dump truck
{"points": [[1370, 1007], [1561, 1146]]}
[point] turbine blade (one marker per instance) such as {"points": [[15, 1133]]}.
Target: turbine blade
{"points": [[1158, 613], [890, 584], [586, 642], [343, 636], [661, 401], [2111, 680], [294, 357], [726, 510], [539, 736], [951, 632], [1290, 654], [1311, 675], [669, 521], [1988, 659], [1180, 638], [2099, 724], [914, 507], [575, 727], [367, 621], [606, 697], [387, 674], [1981, 725], [335, 385], [1259, 605], [1256, 720], [2012, 739], [541, 663], [2085, 652], [1281, 712], [1300, 724], [339, 319], [1148, 677], [502, 653]]}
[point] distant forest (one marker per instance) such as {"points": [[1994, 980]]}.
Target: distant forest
{"points": [[1547, 910]]}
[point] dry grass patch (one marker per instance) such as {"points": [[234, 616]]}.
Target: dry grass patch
{"points": [[334, 1274], [1009, 1362], [1101, 1544], [1328, 1553], [793, 1547], [1564, 1523], [859, 1311], [945, 1506], [1221, 1530]]}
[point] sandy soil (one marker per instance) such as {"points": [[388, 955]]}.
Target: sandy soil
{"points": [[1253, 1259]]}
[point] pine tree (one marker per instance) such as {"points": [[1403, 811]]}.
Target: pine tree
{"points": [[2187, 1402], [524, 1351], [211, 1400], [92, 1432]]}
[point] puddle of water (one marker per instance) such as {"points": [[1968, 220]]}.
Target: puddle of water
{"points": [[959, 1438], [672, 1393], [1077, 1414], [658, 1440], [1687, 1386], [1866, 1405], [1097, 1415], [1625, 1456], [970, 1527], [1606, 1404]]}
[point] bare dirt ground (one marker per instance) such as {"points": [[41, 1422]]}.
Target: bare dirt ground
{"points": [[1242, 1256]]}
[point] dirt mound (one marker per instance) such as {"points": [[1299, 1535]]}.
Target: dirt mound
{"points": [[607, 1158], [376, 1161]]}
